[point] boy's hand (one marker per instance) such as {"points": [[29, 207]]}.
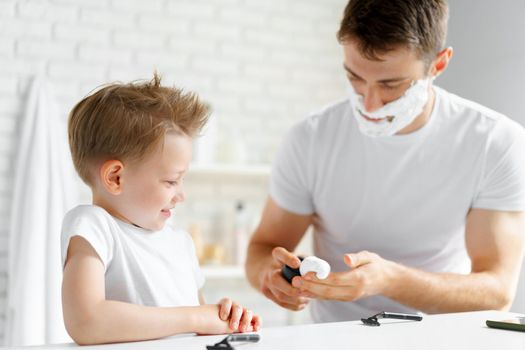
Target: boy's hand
{"points": [[240, 319]]}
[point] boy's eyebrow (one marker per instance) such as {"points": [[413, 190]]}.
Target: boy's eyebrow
{"points": [[177, 171], [383, 81]]}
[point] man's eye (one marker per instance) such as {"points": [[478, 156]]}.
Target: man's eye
{"points": [[390, 87], [172, 183]]}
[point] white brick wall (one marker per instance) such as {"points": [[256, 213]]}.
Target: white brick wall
{"points": [[262, 64]]}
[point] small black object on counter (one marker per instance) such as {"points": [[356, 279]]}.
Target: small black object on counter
{"points": [[225, 343], [373, 320]]}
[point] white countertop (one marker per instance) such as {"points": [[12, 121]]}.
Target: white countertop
{"points": [[450, 331]]}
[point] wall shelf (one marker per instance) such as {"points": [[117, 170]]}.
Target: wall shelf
{"points": [[259, 170], [222, 271]]}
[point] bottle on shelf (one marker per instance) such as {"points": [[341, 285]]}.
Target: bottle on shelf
{"points": [[241, 233], [195, 232], [214, 250]]}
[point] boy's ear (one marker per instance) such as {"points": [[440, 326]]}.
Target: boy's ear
{"points": [[441, 61], [110, 176]]}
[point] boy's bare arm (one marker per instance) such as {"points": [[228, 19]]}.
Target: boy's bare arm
{"points": [[91, 319]]}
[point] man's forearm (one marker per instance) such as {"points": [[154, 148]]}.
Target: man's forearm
{"points": [[258, 258], [447, 292]]}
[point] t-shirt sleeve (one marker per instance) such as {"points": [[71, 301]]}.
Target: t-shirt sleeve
{"points": [[92, 225], [291, 172], [502, 186]]}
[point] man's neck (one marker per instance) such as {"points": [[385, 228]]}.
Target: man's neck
{"points": [[423, 118]]}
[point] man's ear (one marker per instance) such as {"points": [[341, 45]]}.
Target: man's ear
{"points": [[110, 176], [441, 61]]}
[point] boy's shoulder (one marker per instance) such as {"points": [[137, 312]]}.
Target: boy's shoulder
{"points": [[87, 211], [97, 219], [90, 215], [95, 225]]}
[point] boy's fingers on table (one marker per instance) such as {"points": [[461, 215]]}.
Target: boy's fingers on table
{"points": [[246, 320], [225, 308], [236, 315], [256, 323]]}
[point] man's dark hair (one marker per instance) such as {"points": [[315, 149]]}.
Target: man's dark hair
{"points": [[378, 26]]}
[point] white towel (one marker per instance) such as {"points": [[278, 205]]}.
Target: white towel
{"points": [[44, 190]]}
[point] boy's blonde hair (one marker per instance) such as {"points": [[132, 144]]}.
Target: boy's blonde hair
{"points": [[126, 121]]}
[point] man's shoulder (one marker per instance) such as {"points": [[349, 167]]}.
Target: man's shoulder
{"points": [[328, 118], [479, 119]]}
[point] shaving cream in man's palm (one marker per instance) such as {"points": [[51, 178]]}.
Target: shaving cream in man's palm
{"points": [[308, 264]]}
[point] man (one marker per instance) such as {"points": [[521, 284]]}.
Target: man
{"points": [[417, 196]]}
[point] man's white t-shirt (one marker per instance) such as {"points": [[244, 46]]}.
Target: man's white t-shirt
{"points": [[152, 268], [404, 197]]}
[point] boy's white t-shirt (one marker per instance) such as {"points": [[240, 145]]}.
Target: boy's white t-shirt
{"points": [[403, 197], [152, 268]]}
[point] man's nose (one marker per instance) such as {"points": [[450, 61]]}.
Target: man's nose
{"points": [[371, 100]]}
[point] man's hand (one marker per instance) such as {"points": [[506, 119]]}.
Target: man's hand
{"points": [[369, 275], [239, 319], [276, 288], [279, 232]]}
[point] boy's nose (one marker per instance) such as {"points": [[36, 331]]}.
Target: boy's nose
{"points": [[180, 196]]}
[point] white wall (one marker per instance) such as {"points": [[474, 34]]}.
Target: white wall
{"points": [[488, 66]]}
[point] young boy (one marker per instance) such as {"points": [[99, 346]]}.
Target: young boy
{"points": [[127, 276]]}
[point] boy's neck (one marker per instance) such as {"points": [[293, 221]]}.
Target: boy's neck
{"points": [[102, 202]]}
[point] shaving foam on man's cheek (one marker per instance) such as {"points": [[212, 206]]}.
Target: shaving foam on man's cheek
{"points": [[395, 115]]}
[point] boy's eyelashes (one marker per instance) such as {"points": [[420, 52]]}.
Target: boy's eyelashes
{"points": [[177, 179]]}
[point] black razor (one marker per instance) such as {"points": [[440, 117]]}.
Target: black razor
{"points": [[374, 320], [289, 273], [225, 343]]}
